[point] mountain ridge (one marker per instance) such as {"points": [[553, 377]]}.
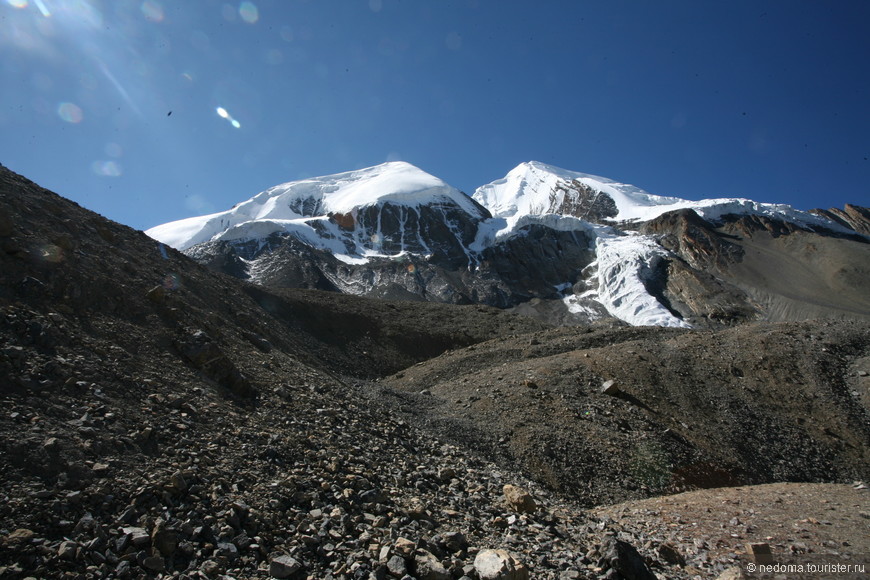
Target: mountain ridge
{"points": [[581, 242]]}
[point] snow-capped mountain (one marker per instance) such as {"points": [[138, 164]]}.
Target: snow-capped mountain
{"points": [[593, 245], [357, 215], [535, 188]]}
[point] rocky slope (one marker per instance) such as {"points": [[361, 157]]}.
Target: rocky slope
{"points": [[164, 420]]}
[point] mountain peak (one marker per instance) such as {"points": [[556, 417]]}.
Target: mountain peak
{"points": [[291, 206]]}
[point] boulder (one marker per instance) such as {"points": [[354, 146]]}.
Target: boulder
{"points": [[428, 567], [499, 565], [283, 566], [519, 499]]}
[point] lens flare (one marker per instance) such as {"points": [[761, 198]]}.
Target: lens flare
{"points": [[70, 112], [223, 113], [172, 282], [50, 253], [17, 3], [249, 13], [106, 168], [152, 11]]}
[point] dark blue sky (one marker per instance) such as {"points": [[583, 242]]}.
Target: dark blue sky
{"points": [[766, 100]]}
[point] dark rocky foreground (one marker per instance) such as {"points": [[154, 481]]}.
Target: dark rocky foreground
{"points": [[162, 420]]}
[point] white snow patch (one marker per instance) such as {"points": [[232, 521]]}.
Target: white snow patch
{"points": [[624, 263]]}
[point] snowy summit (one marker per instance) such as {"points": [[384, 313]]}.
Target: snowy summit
{"points": [[292, 207]]}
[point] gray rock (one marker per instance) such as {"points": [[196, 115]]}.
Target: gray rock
{"points": [[396, 566], [428, 567], [283, 566]]}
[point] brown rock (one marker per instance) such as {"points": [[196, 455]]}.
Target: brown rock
{"points": [[760, 553], [519, 499]]}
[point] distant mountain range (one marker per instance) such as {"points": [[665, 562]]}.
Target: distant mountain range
{"points": [[565, 246]]}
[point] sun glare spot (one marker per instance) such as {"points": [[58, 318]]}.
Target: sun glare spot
{"points": [[172, 281], [17, 3], [70, 112], [152, 11], [51, 253], [249, 13], [43, 9], [224, 114], [106, 168]]}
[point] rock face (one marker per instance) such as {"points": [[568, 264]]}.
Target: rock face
{"points": [[851, 216]]}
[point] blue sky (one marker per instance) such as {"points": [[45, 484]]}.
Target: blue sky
{"points": [[151, 111]]}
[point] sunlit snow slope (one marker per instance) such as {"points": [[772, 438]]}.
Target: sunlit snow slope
{"points": [[535, 188], [303, 208]]}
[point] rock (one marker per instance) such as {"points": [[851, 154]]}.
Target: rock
{"points": [[163, 539], [760, 553], [733, 573], [138, 536], [210, 568], [372, 496], [227, 550], [52, 445], [21, 535], [454, 541], [156, 294], [625, 559], [609, 388], [176, 483], [445, 474], [519, 499], [670, 554], [154, 563], [283, 566], [499, 565], [428, 567], [404, 547], [396, 566], [202, 352], [67, 550]]}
